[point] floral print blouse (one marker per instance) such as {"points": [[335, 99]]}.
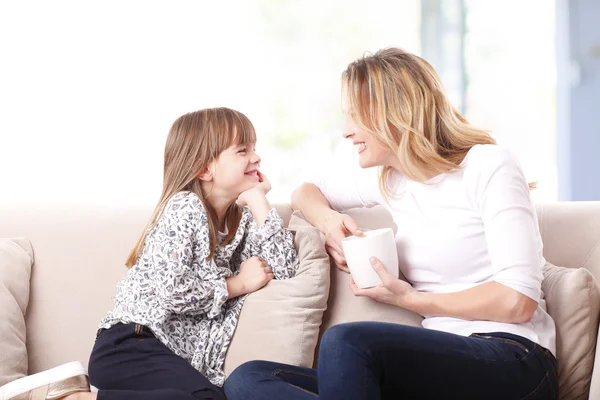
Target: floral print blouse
{"points": [[182, 297]]}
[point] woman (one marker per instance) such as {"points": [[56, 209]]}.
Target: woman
{"points": [[468, 242]]}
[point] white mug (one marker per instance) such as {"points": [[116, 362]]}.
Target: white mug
{"points": [[358, 250]]}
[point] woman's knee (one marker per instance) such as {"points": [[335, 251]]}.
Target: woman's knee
{"points": [[251, 368], [361, 338], [243, 376], [342, 335]]}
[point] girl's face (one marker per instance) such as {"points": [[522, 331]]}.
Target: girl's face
{"points": [[370, 152], [235, 170]]}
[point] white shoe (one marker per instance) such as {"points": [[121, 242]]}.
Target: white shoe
{"points": [[53, 384]]}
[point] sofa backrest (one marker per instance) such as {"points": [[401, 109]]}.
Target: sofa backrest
{"points": [[571, 236], [80, 253], [79, 256]]}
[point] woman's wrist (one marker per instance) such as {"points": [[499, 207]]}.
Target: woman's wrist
{"points": [[412, 300], [324, 222]]}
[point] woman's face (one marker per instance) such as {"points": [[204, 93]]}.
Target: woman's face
{"points": [[370, 152]]}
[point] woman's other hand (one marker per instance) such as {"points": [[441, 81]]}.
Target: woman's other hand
{"points": [[392, 290]]}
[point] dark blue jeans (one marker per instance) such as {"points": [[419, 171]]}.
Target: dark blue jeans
{"points": [[129, 363], [373, 360]]}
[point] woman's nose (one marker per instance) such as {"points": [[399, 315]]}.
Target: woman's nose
{"points": [[348, 129]]}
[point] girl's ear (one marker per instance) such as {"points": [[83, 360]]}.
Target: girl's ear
{"points": [[205, 175]]}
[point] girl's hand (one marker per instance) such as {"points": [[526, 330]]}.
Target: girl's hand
{"points": [[254, 274], [392, 290], [261, 189], [337, 226]]}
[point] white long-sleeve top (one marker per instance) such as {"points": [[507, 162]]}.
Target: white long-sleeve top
{"points": [[459, 230], [173, 290]]}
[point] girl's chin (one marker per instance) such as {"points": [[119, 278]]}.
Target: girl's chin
{"points": [[249, 185], [252, 178]]}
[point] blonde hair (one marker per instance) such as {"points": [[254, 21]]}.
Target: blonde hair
{"points": [[398, 98], [196, 139]]}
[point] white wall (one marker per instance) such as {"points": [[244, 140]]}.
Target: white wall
{"points": [[88, 90]]}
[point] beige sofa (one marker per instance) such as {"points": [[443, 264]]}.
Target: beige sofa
{"points": [[80, 252]]}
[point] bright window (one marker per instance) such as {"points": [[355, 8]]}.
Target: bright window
{"points": [[88, 90], [510, 57]]}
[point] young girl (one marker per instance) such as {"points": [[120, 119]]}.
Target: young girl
{"points": [[213, 238], [468, 242]]}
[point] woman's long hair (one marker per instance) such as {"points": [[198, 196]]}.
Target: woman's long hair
{"points": [[398, 98]]}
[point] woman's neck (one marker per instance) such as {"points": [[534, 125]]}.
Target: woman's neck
{"points": [[427, 174]]}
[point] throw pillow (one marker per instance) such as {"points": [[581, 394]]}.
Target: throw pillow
{"points": [[573, 300], [342, 305], [16, 258], [281, 321]]}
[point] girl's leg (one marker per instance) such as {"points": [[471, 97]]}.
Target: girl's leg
{"points": [[159, 394], [128, 362], [258, 380], [371, 360]]}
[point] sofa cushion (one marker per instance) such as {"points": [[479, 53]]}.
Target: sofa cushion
{"points": [[281, 321], [16, 258], [573, 300], [342, 305]]}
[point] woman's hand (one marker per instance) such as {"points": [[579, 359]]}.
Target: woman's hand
{"points": [[392, 290], [336, 227], [261, 189]]}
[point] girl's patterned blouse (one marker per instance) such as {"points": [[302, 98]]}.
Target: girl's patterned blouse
{"points": [[182, 297]]}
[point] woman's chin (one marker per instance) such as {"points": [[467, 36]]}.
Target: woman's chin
{"points": [[365, 163], [369, 162]]}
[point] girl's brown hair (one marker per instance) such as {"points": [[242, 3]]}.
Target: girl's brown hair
{"points": [[196, 139]]}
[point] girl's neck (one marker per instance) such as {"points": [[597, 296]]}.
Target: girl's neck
{"points": [[221, 210], [220, 204]]}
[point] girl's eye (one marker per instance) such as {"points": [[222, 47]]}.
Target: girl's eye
{"points": [[241, 151]]}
